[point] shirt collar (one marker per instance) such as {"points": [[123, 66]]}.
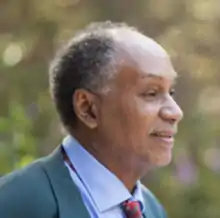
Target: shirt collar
{"points": [[104, 188]]}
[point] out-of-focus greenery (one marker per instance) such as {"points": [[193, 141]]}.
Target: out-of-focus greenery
{"points": [[31, 31]]}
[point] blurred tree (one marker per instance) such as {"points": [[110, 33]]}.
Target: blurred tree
{"points": [[31, 31]]}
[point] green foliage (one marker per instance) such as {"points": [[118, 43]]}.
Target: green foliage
{"points": [[31, 31], [18, 145]]}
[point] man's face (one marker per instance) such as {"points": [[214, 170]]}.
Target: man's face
{"points": [[139, 115]]}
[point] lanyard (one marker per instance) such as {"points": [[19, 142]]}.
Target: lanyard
{"points": [[67, 160]]}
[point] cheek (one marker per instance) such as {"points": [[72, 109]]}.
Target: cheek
{"points": [[137, 120], [147, 109], [147, 114], [129, 118], [145, 120]]}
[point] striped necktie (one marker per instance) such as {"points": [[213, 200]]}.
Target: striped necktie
{"points": [[132, 209]]}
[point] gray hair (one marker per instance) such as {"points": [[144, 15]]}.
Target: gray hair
{"points": [[88, 61]]}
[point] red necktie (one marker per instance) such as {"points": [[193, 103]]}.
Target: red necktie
{"points": [[132, 209]]}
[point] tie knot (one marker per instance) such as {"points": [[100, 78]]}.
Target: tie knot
{"points": [[132, 209]]}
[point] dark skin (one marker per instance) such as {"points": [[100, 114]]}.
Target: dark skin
{"points": [[130, 129]]}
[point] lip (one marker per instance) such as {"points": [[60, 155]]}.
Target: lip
{"points": [[164, 137], [164, 141], [164, 132]]}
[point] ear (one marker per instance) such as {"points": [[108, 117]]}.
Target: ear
{"points": [[85, 107]]}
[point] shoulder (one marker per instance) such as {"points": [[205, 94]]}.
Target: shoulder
{"points": [[25, 192], [152, 204]]}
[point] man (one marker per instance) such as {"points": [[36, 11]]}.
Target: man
{"points": [[113, 90]]}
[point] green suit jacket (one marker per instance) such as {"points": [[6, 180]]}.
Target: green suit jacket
{"points": [[44, 189]]}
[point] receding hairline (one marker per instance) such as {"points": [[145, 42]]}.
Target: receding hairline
{"points": [[126, 56], [119, 34]]}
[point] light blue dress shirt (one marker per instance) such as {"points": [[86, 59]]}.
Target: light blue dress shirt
{"points": [[102, 192]]}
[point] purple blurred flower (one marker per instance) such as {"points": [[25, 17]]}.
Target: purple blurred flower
{"points": [[186, 171]]}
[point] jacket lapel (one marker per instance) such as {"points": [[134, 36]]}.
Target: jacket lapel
{"points": [[68, 197]]}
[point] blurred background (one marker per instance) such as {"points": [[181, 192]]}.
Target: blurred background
{"points": [[32, 30]]}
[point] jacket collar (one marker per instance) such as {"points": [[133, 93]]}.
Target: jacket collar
{"points": [[67, 196]]}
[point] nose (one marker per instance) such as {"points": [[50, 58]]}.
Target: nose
{"points": [[171, 111]]}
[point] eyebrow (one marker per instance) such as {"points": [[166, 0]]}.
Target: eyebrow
{"points": [[152, 75]]}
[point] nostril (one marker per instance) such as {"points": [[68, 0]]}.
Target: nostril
{"points": [[171, 113], [172, 121]]}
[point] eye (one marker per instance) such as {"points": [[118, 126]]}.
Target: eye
{"points": [[172, 92], [150, 93]]}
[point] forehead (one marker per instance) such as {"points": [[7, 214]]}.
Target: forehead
{"points": [[143, 54]]}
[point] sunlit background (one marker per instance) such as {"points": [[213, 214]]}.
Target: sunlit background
{"points": [[32, 30]]}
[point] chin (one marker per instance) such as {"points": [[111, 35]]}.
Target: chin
{"points": [[158, 161], [163, 161]]}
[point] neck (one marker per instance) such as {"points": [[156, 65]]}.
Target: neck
{"points": [[126, 170], [126, 173]]}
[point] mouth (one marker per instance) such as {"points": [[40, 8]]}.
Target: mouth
{"points": [[166, 137]]}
